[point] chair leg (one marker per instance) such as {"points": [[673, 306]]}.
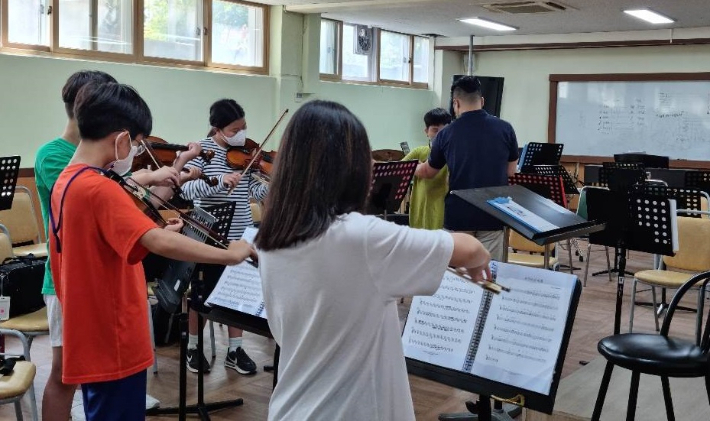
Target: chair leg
{"points": [[586, 264], [633, 396], [667, 398], [633, 305], [30, 338], [707, 386], [655, 306], [212, 340], [608, 263], [602, 391], [18, 410], [152, 338], [569, 250]]}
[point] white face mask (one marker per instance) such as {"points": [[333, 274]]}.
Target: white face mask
{"points": [[239, 138], [123, 166]]}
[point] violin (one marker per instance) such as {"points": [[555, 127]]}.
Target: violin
{"points": [[142, 197], [266, 164], [239, 157], [162, 153]]}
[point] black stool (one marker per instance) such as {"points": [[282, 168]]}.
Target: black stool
{"points": [[658, 355]]}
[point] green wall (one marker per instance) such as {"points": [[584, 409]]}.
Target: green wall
{"points": [[31, 110]]}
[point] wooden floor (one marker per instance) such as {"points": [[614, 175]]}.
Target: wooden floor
{"points": [[594, 321]]}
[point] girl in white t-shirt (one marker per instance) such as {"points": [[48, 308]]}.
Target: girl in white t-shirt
{"points": [[332, 276]]}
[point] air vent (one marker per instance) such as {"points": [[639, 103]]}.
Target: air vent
{"points": [[527, 7]]}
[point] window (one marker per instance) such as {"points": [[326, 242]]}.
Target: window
{"points": [[351, 52], [420, 60], [394, 56], [172, 29], [358, 51], [237, 34], [96, 25], [212, 33], [329, 47], [27, 22]]}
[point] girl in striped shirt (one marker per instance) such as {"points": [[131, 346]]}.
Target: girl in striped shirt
{"points": [[229, 126]]}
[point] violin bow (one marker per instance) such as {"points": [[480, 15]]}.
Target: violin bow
{"points": [[485, 284], [261, 147]]}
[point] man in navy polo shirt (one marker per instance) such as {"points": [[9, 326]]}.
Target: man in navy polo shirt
{"points": [[480, 150]]}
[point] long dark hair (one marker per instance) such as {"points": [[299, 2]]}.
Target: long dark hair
{"points": [[322, 170]]}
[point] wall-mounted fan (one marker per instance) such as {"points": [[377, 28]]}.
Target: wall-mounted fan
{"points": [[363, 40]]}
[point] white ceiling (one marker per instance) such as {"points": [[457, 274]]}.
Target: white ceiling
{"points": [[440, 16]]}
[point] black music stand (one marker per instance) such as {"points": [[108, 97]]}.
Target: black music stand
{"points": [[698, 180], [390, 182], [550, 187], [640, 222], [174, 284], [558, 171], [569, 225], [539, 154], [9, 172], [620, 177], [648, 161]]}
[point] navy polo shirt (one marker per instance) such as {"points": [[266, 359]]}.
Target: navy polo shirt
{"points": [[477, 148]]}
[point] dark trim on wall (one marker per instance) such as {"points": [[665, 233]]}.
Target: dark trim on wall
{"points": [[26, 172], [576, 45], [674, 163]]}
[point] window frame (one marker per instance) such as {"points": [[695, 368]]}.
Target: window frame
{"points": [[338, 75], [377, 80], [137, 56], [5, 31]]}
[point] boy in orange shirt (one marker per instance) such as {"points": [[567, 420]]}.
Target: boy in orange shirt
{"points": [[97, 241]]}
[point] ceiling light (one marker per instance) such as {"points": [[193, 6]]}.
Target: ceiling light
{"points": [[649, 16], [488, 24]]}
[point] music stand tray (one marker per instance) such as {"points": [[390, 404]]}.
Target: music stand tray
{"points": [[390, 183], [9, 172], [569, 224]]}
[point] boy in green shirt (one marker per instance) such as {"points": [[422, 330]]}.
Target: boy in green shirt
{"points": [[426, 206]]}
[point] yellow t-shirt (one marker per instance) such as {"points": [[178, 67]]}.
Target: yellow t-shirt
{"points": [[426, 207]]}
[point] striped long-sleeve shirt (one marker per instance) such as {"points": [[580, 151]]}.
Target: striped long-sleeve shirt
{"points": [[205, 195]]}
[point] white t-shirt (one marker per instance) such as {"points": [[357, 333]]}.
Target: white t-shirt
{"points": [[332, 308]]}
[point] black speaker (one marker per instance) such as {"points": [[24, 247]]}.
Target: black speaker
{"points": [[491, 90]]}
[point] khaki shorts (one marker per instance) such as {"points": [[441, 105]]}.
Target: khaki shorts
{"points": [[491, 240], [54, 315]]}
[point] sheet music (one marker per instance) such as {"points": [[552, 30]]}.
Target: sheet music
{"points": [[249, 234], [522, 214], [439, 328], [523, 332], [239, 288]]}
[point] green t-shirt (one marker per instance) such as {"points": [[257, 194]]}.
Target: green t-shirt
{"points": [[51, 160], [426, 206]]}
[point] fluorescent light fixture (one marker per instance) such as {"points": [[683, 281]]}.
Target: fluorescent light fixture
{"points": [[488, 24], [649, 16]]}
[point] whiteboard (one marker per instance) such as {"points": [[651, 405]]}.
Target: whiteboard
{"points": [[662, 118]]}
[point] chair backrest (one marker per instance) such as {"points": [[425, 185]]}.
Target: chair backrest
{"points": [[21, 220], [693, 245], [5, 247], [520, 243], [702, 336], [255, 212]]}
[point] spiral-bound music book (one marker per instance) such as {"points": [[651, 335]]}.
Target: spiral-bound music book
{"points": [[239, 287], [513, 338]]}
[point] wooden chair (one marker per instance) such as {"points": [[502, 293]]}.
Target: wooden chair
{"points": [[692, 257], [20, 382], [533, 254], [658, 354], [20, 224]]}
